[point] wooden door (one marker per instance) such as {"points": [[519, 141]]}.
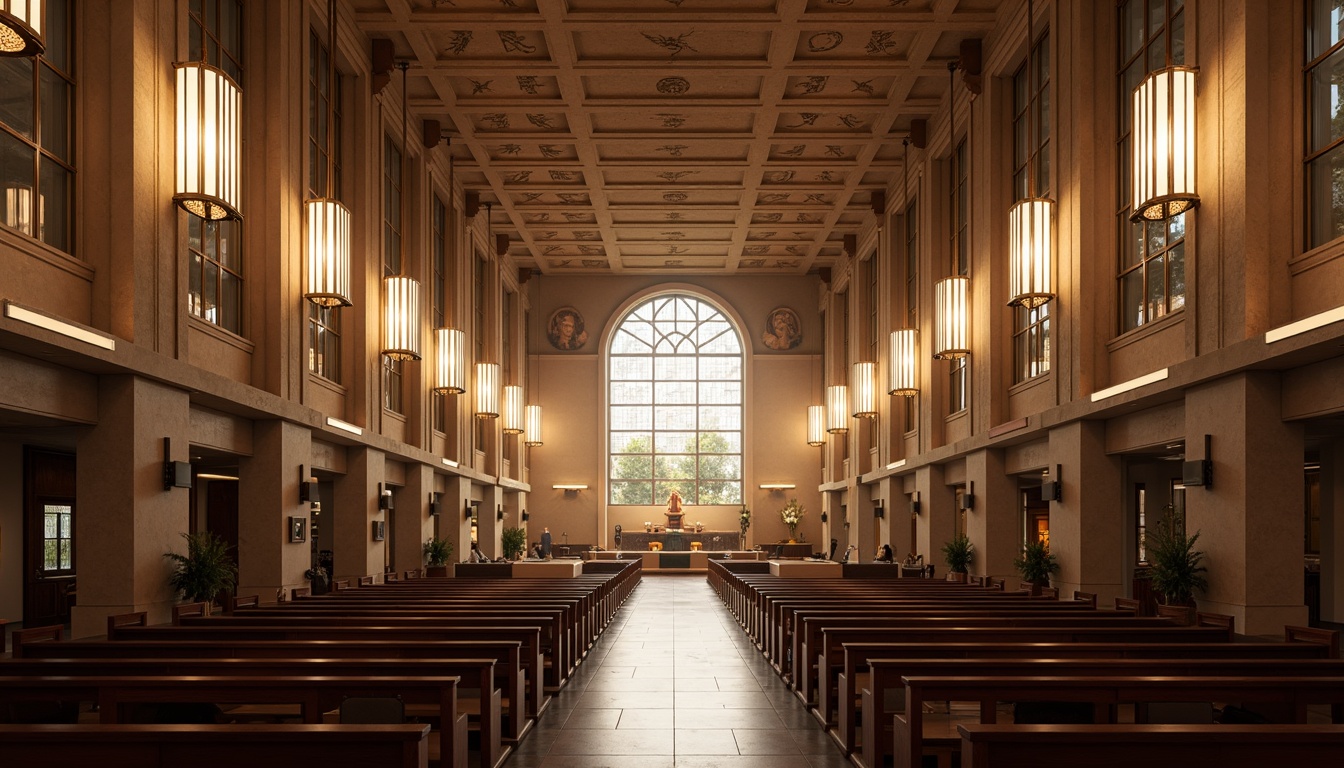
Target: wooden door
{"points": [[48, 536]]}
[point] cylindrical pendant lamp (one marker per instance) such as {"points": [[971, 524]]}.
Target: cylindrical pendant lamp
{"points": [[951, 337], [816, 425], [328, 253], [1164, 145], [209, 108], [1030, 252], [863, 383], [487, 390], [904, 352], [837, 409], [513, 410], [532, 430], [21, 27], [401, 318], [450, 370]]}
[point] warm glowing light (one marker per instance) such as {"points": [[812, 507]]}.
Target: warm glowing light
{"points": [[863, 383], [816, 425], [450, 371], [837, 409], [21, 27], [950, 310], [1030, 251], [1164, 145], [209, 107], [401, 318], [904, 352], [532, 426], [328, 224], [487, 391], [513, 410]]}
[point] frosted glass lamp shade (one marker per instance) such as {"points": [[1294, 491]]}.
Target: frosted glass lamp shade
{"points": [[487, 391], [513, 410], [863, 385], [951, 337], [401, 318], [837, 409], [328, 223], [1164, 145], [21, 27], [208, 119], [450, 369], [904, 352], [532, 426], [816, 425], [1030, 251]]}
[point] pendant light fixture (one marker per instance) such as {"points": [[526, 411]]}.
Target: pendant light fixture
{"points": [[208, 125], [328, 220], [1031, 220], [487, 390], [450, 369], [816, 425], [837, 409], [401, 294], [532, 426], [905, 342], [21, 27], [863, 383], [1164, 141], [512, 423], [950, 295]]}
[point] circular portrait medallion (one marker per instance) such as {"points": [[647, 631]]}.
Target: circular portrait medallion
{"points": [[565, 329]]}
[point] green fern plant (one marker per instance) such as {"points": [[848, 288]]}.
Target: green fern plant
{"points": [[205, 571], [958, 554], [1036, 564], [438, 552], [513, 541], [1177, 567]]}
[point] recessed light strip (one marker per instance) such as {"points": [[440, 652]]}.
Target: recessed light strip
{"points": [[56, 325], [1305, 324], [344, 425], [777, 486], [1147, 378], [570, 487]]}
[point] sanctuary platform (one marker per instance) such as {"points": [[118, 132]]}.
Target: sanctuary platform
{"points": [[681, 541], [674, 561]]}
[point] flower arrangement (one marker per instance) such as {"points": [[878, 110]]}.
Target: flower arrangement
{"points": [[744, 517], [792, 515]]}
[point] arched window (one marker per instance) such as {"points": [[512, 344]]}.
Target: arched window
{"points": [[674, 374]]}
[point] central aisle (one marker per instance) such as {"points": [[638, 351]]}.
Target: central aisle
{"points": [[675, 682]]}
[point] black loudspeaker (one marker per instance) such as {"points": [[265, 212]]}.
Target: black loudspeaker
{"points": [[1050, 491], [1196, 473], [176, 474]]}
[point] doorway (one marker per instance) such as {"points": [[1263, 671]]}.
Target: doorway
{"points": [[49, 536]]}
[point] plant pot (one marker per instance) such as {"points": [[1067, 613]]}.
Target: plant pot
{"points": [[957, 576], [436, 571], [1183, 614]]}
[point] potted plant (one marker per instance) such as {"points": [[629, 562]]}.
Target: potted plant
{"points": [[1177, 567], [1036, 564], [319, 577], [206, 571], [513, 540], [437, 554], [744, 520], [958, 553], [792, 515]]}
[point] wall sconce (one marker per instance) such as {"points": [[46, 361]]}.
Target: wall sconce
{"points": [[435, 503], [1199, 472], [879, 508], [487, 390], [450, 369], [176, 474], [512, 423], [968, 496], [904, 350], [863, 383], [914, 504], [307, 486], [1164, 143], [570, 488], [950, 308], [824, 517], [777, 486], [525, 516], [816, 425], [837, 409], [401, 318], [499, 512], [21, 27], [1052, 489], [384, 497], [209, 106], [471, 509], [532, 426]]}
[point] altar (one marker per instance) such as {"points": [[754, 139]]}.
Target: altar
{"points": [[681, 541]]}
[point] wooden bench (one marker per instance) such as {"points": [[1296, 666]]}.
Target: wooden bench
{"points": [[860, 689], [1230, 746], [1103, 693], [216, 746]]}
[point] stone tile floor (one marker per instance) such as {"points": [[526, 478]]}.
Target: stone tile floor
{"points": [[674, 683]]}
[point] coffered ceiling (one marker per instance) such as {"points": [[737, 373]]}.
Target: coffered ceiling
{"points": [[676, 136]]}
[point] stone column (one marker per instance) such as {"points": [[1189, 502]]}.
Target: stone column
{"points": [[268, 495], [488, 524], [414, 524], [1250, 519], [126, 521], [1086, 525], [354, 552], [937, 516], [994, 524], [454, 524]]}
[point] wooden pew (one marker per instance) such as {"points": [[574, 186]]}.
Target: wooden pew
{"points": [[216, 746], [887, 674], [858, 684], [312, 694], [1158, 746], [1104, 693]]}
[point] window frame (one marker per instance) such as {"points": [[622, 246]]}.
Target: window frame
{"points": [[911, 234], [394, 199], [958, 368], [1335, 146], [324, 323], [1031, 325]]}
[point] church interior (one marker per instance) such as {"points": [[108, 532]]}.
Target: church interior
{"points": [[678, 282]]}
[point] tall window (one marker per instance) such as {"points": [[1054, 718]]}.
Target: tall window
{"points": [[1325, 121], [675, 386], [324, 323], [873, 329], [439, 293], [957, 367], [393, 370], [478, 329], [1031, 157], [1152, 254], [37, 123], [215, 279], [911, 291]]}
